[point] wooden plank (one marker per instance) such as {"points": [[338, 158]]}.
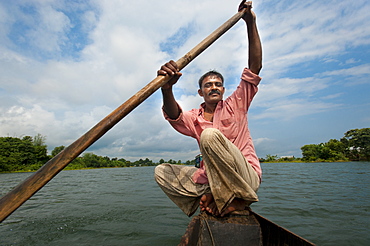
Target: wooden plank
{"points": [[274, 234], [240, 228]]}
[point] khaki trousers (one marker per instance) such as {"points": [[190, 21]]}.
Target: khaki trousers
{"points": [[229, 175]]}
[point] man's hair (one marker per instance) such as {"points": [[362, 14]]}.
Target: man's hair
{"points": [[210, 73]]}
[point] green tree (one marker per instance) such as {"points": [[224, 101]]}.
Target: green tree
{"points": [[39, 140], [10, 156], [123, 163], [57, 150], [271, 158], [77, 163], [21, 154], [355, 145], [92, 160], [190, 162], [334, 150], [358, 144], [311, 152], [40, 150], [25, 148], [148, 162]]}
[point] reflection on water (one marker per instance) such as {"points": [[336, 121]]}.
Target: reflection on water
{"points": [[327, 203]]}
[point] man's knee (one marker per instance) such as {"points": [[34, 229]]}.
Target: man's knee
{"points": [[159, 171], [210, 136]]}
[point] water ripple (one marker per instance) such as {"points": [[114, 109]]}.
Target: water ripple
{"points": [[327, 203]]}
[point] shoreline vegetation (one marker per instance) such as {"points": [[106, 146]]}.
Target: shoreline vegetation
{"points": [[28, 154], [71, 168]]}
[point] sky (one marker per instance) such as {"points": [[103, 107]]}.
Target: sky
{"points": [[65, 65]]}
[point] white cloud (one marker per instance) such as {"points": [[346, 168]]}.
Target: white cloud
{"points": [[306, 31], [60, 82], [356, 71], [332, 96], [261, 141], [49, 33], [351, 61], [285, 110]]}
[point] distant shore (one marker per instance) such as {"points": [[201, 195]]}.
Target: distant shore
{"points": [[264, 162]]}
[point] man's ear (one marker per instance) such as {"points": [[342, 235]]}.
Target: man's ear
{"points": [[200, 92]]}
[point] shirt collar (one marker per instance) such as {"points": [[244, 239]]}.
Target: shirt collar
{"points": [[203, 105]]}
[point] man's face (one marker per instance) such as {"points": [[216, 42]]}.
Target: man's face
{"points": [[212, 89]]}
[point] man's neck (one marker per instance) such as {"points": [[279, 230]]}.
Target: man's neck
{"points": [[209, 110]]}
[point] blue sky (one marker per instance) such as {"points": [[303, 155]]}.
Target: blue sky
{"points": [[65, 65]]}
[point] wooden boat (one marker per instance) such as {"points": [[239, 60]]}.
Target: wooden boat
{"points": [[239, 228]]}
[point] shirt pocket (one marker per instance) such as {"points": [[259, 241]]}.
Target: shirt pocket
{"points": [[229, 128]]}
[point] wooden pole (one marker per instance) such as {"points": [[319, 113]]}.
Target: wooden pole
{"points": [[20, 194]]}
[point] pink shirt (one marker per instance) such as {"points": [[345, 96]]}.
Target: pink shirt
{"points": [[230, 117]]}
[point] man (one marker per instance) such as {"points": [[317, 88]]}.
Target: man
{"points": [[230, 173]]}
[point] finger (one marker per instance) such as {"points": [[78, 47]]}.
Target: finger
{"points": [[174, 65], [167, 69], [241, 5], [161, 72], [245, 4], [178, 75], [171, 67]]}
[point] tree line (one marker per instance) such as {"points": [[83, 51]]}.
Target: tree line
{"points": [[30, 153], [354, 146]]}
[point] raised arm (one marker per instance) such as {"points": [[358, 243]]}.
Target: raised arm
{"points": [[255, 47], [169, 102]]}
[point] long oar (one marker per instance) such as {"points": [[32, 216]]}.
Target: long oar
{"points": [[20, 194]]}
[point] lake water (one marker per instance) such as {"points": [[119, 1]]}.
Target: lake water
{"points": [[326, 203]]}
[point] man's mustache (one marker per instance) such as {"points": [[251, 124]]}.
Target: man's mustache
{"points": [[214, 91]]}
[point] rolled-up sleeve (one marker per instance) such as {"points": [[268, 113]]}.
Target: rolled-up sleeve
{"points": [[246, 90], [250, 77], [183, 123]]}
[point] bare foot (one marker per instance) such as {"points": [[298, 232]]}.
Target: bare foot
{"points": [[236, 205], [207, 204], [205, 201]]}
